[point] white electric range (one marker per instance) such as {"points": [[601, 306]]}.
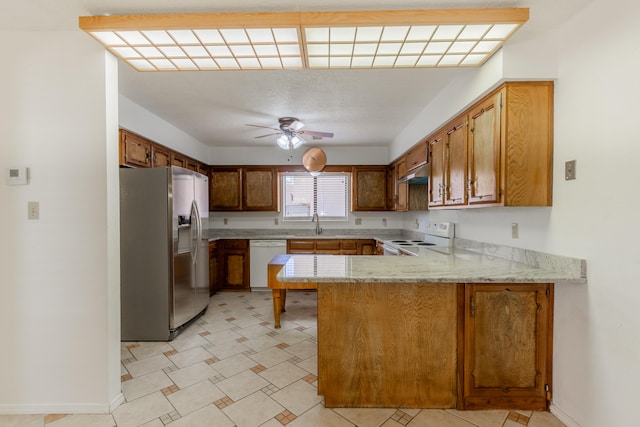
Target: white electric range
{"points": [[438, 237]]}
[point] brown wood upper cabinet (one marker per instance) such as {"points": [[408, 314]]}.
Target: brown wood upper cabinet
{"points": [[178, 160], [483, 185], [456, 162], [402, 190], [448, 153], [225, 189], [396, 191], [369, 188], [417, 156], [250, 188], [260, 189], [437, 171], [505, 156], [160, 156], [134, 150], [137, 151]]}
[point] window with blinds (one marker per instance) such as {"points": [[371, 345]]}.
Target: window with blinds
{"points": [[326, 194]]}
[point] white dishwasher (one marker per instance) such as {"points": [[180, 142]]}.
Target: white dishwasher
{"points": [[260, 253]]}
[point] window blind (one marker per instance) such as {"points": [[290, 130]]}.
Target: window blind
{"points": [[327, 194]]}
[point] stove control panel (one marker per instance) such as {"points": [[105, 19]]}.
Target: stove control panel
{"points": [[441, 229]]}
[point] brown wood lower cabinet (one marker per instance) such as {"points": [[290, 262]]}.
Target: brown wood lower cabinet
{"points": [[213, 268], [507, 346], [234, 264], [435, 345]]}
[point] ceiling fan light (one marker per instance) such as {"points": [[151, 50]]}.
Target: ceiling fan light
{"points": [[283, 142], [296, 141]]}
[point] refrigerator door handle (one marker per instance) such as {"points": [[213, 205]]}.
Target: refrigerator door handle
{"points": [[198, 225]]}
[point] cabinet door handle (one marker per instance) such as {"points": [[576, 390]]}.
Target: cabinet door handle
{"points": [[454, 129]]}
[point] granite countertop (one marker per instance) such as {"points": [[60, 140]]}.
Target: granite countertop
{"points": [[454, 265]]}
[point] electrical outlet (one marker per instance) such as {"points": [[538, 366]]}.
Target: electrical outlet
{"points": [[514, 230], [417, 223], [275, 221], [384, 221], [225, 221], [33, 210], [570, 170], [358, 221]]}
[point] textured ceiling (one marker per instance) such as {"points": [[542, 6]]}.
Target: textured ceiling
{"points": [[361, 107]]}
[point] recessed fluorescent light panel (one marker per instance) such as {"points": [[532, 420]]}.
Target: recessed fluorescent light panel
{"points": [[313, 40], [404, 46], [205, 49]]}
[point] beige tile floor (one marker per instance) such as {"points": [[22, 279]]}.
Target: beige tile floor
{"points": [[232, 368]]}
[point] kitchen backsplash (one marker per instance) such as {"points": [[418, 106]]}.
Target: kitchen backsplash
{"points": [[273, 220]]}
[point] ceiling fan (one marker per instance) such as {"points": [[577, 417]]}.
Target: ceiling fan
{"points": [[291, 134]]}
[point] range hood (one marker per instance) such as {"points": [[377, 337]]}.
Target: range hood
{"points": [[419, 175]]}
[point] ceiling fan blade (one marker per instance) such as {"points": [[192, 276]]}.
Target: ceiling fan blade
{"points": [[269, 134], [265, 127], [296, 125], [314, 133]]}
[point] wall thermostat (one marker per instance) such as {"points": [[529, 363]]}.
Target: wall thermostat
{"points": [[16, 176]]}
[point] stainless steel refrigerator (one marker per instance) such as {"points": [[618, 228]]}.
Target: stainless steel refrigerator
{"points": [[164, 254]]}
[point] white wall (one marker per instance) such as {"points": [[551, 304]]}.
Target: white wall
{"points": [[266, 220], [453, 99], [597, 349], [136, 119], [57, 294], [372, 155]]}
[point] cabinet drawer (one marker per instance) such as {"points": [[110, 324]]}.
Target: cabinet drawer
{"points": [[328, 245], [349, 244], [236, 244], [301, 245]]}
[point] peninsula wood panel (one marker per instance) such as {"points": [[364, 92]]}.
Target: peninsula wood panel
{"points": [[387, 345]]}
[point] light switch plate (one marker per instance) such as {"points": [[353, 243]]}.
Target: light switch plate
{"points": [[33, 210], [570, 170]]}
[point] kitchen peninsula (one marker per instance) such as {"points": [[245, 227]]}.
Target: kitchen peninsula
{"points": [[453, 329]]}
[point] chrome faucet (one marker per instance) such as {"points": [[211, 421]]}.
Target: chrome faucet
{"points": [[316, 219]]}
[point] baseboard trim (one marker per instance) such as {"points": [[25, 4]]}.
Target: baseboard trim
{"points": [[117, 401], [562, 416], [63, 408]]}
